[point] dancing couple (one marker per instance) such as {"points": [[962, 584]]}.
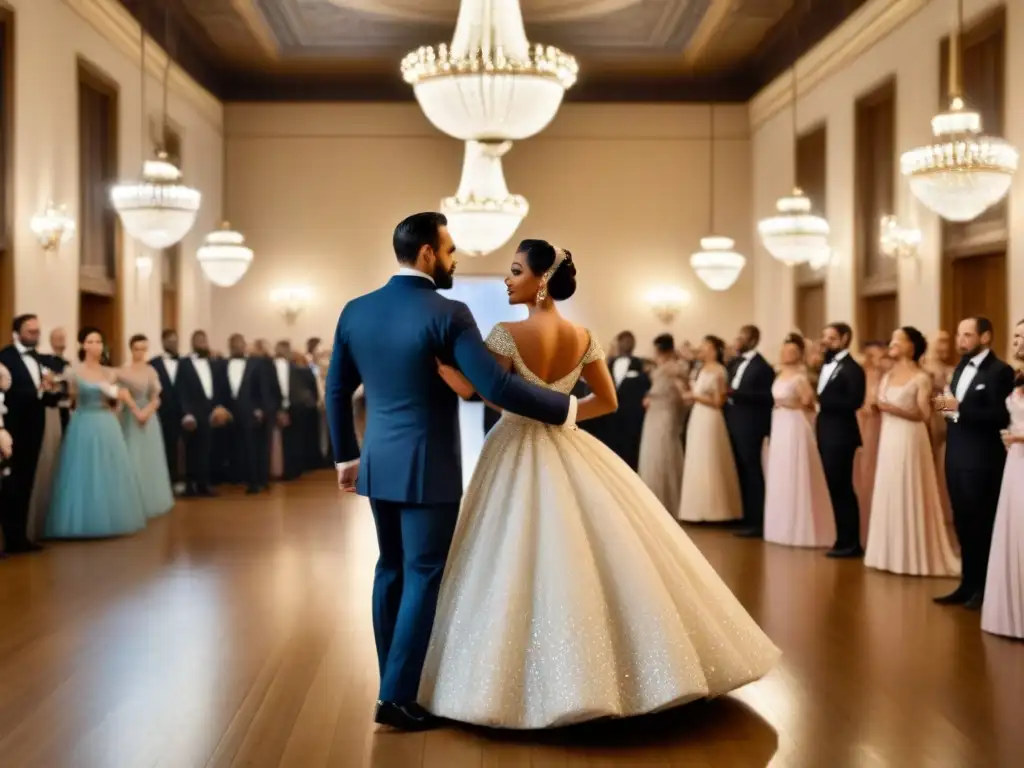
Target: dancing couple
{"points": [[560, 591]]}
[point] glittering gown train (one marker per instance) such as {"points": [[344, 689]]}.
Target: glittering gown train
{"points": [[570, 595]]}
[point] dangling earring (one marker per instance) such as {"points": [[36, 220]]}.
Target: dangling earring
{"points": [[542, 294]]}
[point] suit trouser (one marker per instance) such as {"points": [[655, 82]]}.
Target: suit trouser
{"points": [[974, 497], [837, 461], [413, 542], [748, 451]]}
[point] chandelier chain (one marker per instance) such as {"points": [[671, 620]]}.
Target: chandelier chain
{"points": [[955, 41], [711, 175]]}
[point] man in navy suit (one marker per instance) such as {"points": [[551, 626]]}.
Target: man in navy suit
{"points": [[390, 341]]}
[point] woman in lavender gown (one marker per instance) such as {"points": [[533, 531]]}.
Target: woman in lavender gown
{"points": [[1003, 610], [797, 510]]}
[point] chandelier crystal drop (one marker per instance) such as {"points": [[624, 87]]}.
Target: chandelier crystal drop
{"points": [[963, 173], [483, 215], [490, 83], [157, 210], [224, 256], [53, 227], [717, 263], [795, 235]]}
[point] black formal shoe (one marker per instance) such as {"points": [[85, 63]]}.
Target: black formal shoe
{"points": [[846, 552], [750, 533], [974, 602], [959, 596], [252, 490], [403, 717]]}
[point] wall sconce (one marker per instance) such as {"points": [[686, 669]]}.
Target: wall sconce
{"points": [[666, 301], [53, 227], [144, 267], [898, 242], [291, 301]]}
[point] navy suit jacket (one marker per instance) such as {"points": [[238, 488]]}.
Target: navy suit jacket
{"points": [[390, 340]]}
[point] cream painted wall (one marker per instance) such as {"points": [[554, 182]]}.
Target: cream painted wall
{"points": [[911, 53], [317, 190], [50, 35]]}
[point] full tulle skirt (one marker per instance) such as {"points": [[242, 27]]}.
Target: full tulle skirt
{"points": [[96, 492], [1003, 610], [798, 509], [570, 595], [149, 458]]}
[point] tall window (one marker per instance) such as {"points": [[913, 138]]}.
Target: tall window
{"points": [[6, 168], [874, 197], [811, 159]]}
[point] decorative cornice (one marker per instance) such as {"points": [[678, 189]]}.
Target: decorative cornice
{"points": [[119, 28], [865, 28]]}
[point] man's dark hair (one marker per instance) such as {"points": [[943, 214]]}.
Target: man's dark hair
{"points": [[753, 332], [982, 324], [20, 320], [166, 333], [312, 343], [664, 343], [845, 332], [136, 339], [626, 335], [413, 232]]}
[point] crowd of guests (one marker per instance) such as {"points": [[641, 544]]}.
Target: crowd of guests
{"points": [[92, 451], [900, 457]]}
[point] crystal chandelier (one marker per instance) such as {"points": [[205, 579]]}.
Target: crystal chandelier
{"points": [[898, 242], [53, 227], [794, 235], [483, 215], [666, 301], [224, 256], [157, 210], [963, 173], [490, 83]]}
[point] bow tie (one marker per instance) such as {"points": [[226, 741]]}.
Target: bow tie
{"points": [[175, 358]]}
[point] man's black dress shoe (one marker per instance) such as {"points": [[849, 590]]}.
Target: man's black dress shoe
{"points": [[959, 596], [750, 533], [974, 602], [404, 717], [845, 553]]}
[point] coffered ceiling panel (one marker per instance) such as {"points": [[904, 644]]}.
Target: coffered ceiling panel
{"points": [[663, 50]]}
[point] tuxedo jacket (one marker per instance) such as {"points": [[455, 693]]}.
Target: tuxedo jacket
{"points": [[254, 391], [973, 439], [748, 409], [170, 398], [843, 395], [192, 396]]}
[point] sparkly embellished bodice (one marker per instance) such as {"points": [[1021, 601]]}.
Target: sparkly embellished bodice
{"points": [[143, 384], [92, 395], [500, 341]]}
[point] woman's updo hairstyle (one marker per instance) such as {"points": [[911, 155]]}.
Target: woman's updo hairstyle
{"points": [[917, 339], [84, 334], [797, 341], [719, 347], [540, 256]]}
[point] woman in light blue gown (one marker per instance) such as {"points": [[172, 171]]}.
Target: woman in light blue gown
{"points": [[96, 492], [142, 431]]}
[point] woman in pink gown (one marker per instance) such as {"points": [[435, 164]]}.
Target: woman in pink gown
{"points": [[797, 509], [1003, 610], [908, 533], [876, 363]]}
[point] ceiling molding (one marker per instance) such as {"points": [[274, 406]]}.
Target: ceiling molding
{"points": [[861, 31], [118, 27]]}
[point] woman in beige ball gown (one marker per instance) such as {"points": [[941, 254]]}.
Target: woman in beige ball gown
{"points": [[661, 443], [711, 486]]}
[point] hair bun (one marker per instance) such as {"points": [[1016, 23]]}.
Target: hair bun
{"points": [[562, 284]]}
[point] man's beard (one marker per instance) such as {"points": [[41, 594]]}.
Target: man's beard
{"points": [[443, 278], [976, 349], [201, 352], [28, 343], [830, 354]]}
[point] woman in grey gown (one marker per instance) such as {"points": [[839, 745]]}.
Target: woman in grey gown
{"points": [[661, 445]]}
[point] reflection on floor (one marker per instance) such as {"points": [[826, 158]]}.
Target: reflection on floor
{"points": [[236, 632]]}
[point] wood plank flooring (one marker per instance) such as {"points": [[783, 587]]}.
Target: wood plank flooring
{"points": [[236, 632]]}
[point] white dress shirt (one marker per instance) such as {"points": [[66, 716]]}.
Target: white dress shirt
{"points": [[963, 386], [236, 371], [283, 379], [410, 272], [171, 366], [30, 362], [829, 368], [205, 373], [742, 368], [619, 370]]}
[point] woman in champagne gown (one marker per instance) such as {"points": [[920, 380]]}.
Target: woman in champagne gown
{"points": [[661, 442], [142, 431], [908, 533], [869, 419], [941, 371], [711, 487], [797, 509], [96, 493], [569, 594], [1002, 613], [49, 458]]}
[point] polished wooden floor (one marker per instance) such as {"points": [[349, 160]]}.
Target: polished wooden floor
{"points": [[236, 632]]}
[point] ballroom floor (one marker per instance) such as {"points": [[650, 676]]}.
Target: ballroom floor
{"points": [[236, 632]]}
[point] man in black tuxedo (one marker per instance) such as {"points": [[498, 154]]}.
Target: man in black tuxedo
{"points": [[976, 410], [246, 383], [841, 390], [748, 417], [27, 399], [166, 366], [294, 396], [201, 396], [621, 430]]}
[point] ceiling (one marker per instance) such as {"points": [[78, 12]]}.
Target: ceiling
{"points": [[629, 50]]}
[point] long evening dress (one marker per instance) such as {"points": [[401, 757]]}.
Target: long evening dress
{"points": [[797, 509], [661, 443], [146, 443], [46, 471], [1003, 610], [569, 594], [866, 461], [96, 492], [711, 487], [908, 533]]}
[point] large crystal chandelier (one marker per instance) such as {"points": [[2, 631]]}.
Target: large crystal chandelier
{"points": [[794, 235], [224, 256], [483, 215], [490, 83], [158, 210], [963, 173]]}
